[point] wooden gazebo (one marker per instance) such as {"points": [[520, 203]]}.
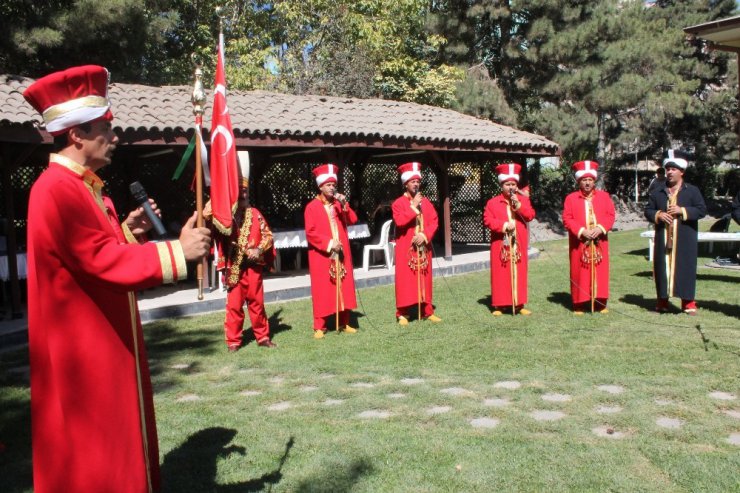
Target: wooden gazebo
{"points": [[156, 123]]}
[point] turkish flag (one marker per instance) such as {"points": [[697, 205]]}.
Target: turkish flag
{"points": [[224, 171]]}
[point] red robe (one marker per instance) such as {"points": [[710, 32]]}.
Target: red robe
{"points": [[574, 218], [495, 215], [405, 218], [318, 236], [93, 425]]}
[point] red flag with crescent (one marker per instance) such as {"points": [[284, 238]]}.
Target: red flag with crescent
{"points": [[224, 168]]}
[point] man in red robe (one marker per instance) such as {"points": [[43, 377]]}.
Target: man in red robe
{"points": [[507, 215], [588, 215], [244, 255], [326, 219], [416, 223], [93, 426]]}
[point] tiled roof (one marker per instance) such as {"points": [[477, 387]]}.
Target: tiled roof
{"points": [[256, 113]]}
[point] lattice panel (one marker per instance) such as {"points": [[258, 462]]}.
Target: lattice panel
{"points": [[283, 192], [21, 180], [471, 186]]}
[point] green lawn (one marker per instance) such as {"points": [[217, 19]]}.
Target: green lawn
{"points": [[391, 409]]}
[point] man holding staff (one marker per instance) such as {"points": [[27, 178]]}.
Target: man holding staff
{"points": [[91, 396], [588, 215], [244, 255], [675, 210], [416, 224], [507, 215], [329, 257]]}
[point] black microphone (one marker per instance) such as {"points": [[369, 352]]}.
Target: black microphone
{"points": [[137, 190]]}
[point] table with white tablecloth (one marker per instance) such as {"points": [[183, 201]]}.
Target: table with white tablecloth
{"points": [[296, 238], [702, 237], [5, 270]]}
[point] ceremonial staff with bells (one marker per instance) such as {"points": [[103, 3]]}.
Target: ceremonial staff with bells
{"points": [[507, 215], [416, 223], [329, 256], [588, 216]]}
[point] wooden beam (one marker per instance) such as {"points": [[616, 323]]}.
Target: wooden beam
{"points": [[12, 242], [444, 168]]}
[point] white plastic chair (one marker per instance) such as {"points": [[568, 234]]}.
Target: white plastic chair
{"points": [[383, 244], [216, 279]]}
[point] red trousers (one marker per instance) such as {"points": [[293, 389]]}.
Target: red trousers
{"points": [[427, 310], [320, 323], [599, 304], [250, 290]]}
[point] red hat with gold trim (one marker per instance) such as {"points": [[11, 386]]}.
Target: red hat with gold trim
{"points": [[410, 171], [508, 171], [585, 168], [71, 97], [326, 173]]}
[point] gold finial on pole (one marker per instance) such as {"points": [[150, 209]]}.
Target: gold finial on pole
{"points": [[198, 99], [220, 14]]}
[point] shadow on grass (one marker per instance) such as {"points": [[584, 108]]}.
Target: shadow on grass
{"points": [[275, 323], [640, 301], [336, 478], [640, 252], [561, 298], [486, 301], [166, 345], [354, 318], [717, 277], [644, 273], [15, 441], [719, 307], [192, 467]]}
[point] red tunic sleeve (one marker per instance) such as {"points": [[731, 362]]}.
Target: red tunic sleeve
{"points": [[525, 212], [318, 234], [571, 219], [431, 220], [87, 243]]}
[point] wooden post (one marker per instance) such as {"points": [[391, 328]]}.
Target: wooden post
{"points": [[12, 245], [444, 189]]}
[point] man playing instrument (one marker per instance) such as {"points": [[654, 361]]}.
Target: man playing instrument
{"points": [[588, 215], [675, 210], [244, 255], [416, 223], [329, 256], [507, 215]]}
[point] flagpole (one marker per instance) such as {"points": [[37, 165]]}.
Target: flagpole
{"points": [[198, 100]]}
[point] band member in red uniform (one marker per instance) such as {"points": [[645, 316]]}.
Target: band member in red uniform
{"points": [[245, 254], [507, 215], [588, 215], [416, 224], [675, 210], [93, 426], [329, 256]]}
